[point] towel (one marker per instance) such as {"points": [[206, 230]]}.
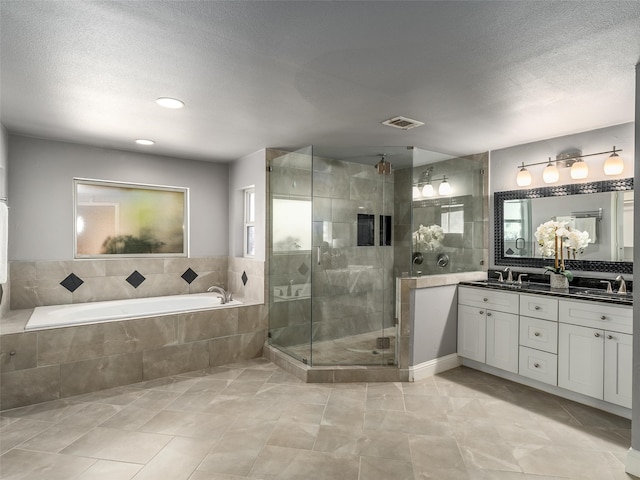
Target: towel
{"points": [[4, 238], [589, 225]]}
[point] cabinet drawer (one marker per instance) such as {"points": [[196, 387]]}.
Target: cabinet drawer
{"points": [[539, 334], [489, 299], [539, 306], [596, 315], [541, 366]]}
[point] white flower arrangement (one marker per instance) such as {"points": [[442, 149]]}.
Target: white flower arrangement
{"points": [[428, 239], [554, 237]]}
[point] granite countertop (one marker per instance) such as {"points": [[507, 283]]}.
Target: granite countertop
{"points": [[574, 292]]}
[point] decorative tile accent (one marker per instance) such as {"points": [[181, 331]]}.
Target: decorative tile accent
{"points": [[135, 279], [303, 269], [189, 275], [244, 278], [72, 282]]}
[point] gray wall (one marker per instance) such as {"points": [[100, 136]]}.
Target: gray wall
{"points": [[4, 140], [41, 193], [245, 172], [435, 318]]}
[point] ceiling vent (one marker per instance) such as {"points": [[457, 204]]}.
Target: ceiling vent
{"points": [[402, 123]]}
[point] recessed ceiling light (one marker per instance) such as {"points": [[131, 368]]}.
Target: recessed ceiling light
{"points": [[143, 141], [168, 102]]}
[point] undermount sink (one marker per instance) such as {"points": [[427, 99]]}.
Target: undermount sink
{"points": [[594, 292]]}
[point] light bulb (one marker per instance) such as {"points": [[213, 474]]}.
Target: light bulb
{"points": [[524, 177], [445, 187], [427, 190], [579, 170], [144, 141], [416, 192], [550, 174], [614, 165]]}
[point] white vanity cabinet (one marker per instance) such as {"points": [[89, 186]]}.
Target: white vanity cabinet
{"points": [[538, 357], [488, 327], [594, 350]]}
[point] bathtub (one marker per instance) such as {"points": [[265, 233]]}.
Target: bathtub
{"points": [[56, 316]]}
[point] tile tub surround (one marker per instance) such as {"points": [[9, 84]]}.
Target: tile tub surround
{"points": [[62, 362], [37, 283], [251, 420]]}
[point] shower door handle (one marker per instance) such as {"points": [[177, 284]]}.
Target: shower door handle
{"points": [[318, 247]]}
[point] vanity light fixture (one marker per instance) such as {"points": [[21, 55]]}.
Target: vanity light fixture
{"points": [[169, 102], [550, 174], [579, 169], [524, 177], [445, 187], [427, 190], [144, 141], [416, 192], [614, 165]]}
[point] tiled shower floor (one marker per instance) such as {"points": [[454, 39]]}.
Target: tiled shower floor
{"points": [[251, 420], [359, 349]]}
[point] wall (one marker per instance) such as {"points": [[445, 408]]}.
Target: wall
{"points": [[247, 171], [435, 320], [40, 188], [503, 162]]}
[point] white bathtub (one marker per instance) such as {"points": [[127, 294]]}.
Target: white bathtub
{"points": [[56, 316]]}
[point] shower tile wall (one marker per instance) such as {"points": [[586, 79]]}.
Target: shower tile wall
{"points": [[466, 251], [352, 285]]}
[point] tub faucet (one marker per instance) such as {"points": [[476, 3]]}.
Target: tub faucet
{"points": [[289, 288], [225, 296]]}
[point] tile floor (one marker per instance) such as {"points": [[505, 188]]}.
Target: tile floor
{"points": [[253, 420]]}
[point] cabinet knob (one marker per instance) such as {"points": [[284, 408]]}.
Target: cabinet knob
{"points": [[596, 334], [602, 317], [537, 365], [481, 312], [537, 334], [485, 299], [610, 337], [488, 314], [537, 307]]}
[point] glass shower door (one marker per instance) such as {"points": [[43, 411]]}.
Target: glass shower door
{"points": [[289, 252]]}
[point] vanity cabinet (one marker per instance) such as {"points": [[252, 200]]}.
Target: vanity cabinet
{"points": [[488, 327], [594, 350], [579, 345], [538, 351]]}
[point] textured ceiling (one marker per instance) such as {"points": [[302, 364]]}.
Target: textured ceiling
{"points": [[481, 75]]}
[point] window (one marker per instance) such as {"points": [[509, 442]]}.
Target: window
{"points": [[452, 218], [250, 222]]}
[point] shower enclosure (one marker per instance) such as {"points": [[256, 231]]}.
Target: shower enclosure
{"points": [[341, 232]]}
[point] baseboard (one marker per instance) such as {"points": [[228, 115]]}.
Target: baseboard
{"points": [[430, 368], [632, 465]]}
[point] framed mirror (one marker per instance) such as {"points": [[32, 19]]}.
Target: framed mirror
{"points": [[114, 219], [604, 209]]}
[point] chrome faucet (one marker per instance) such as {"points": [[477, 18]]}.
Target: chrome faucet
{"points": [[500, 279], [622, 289], [225, 296], [509, 275]]}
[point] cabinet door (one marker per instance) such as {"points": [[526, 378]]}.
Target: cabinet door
{"points": [[502, 340], [618, 358], [581, 359], [471, 333]]}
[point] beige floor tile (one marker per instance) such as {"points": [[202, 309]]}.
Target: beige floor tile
{"points": [[118, 445], [291, 434], [129, 418], [29, 465], [199, 425], [22, 430], [55, 438], [384, 469], [110, 470], [177, 460]]}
